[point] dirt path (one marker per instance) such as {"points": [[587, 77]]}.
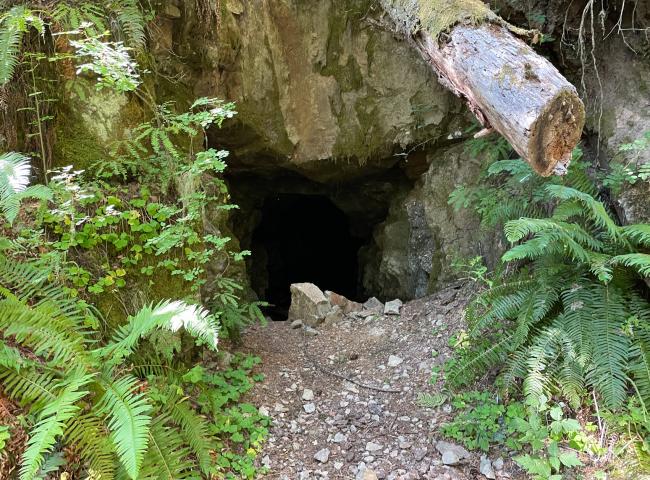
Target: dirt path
{"points": [[371, 425]]}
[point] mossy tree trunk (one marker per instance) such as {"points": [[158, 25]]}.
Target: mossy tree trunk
{"points": [[505, 83]]}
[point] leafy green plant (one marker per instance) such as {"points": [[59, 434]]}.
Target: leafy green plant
{"points": [[110, 61], [625, 170], [138, 409], [14, 23], [572, 313], [549, 441], [472, 269], [481, 421], [129, 399]]}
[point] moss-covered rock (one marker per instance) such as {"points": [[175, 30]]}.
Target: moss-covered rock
{"points": [[89, 121]]}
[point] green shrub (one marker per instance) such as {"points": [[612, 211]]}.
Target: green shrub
{"points": [[572, 311]]}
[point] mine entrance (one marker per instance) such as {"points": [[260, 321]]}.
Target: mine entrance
{"points": [[303, 238]]}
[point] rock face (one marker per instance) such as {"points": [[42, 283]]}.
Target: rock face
{"points": [[624, 118], [415, 247], [308, 303], [325, 87]]}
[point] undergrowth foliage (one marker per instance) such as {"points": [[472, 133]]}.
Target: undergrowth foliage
{"points": [[138, 395], [571, 311]]}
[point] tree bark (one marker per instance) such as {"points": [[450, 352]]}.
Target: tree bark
{"points": [[505, 83]]}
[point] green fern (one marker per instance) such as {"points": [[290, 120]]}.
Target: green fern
{"points": [[639, 261], [15, 171], [112, 429], [194, 431], [51, 423], [567, 309], [13, 25], [167, 457], [129, 420], [131, 21], [167, 315]]}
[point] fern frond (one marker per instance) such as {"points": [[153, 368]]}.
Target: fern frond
{"points": [[15, 170], [595, 210], [194, 430], [639, 233], [535, 309], [546, 243], [567, 210], [638, 261], [131, 22], [29, 387], [88, 434], [479, 361], [44, 331], [11, 35], [29, 283], [51, 423], [515, 230], [169, 315], [611, 346], [640, 369], [10, 357], [167, 457], [129, 420]]}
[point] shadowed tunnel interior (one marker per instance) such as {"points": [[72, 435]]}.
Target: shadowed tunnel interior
{"points": [[304, 238]]}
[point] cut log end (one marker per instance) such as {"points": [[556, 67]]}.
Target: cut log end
{"points": [[556, 133]]}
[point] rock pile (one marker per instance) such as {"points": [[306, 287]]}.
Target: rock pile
{"points": [[311, 307]]}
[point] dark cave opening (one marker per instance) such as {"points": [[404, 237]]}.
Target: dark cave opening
{"points": [[303, 238]]}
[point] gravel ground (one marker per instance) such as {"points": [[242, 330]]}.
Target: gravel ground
{"points": [[344, 398]]}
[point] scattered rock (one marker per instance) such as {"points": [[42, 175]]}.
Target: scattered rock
{"points": [[498, 464], [296, 324], [310, 331], [334, 316], [278, 407], [419, 454], [451, 453], [404, 444], [370, 435], [346, 306], [373, 447], [374, 305], [486, 468], [393, 307], [366, 474], [394, 361], [263, 411], [322, 455], [308, 303]]}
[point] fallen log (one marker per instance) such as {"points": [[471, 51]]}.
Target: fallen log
{"points": [[506, 84]]}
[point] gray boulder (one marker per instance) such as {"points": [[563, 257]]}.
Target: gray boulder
{"points": [[308, 303], [393, 307]]}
